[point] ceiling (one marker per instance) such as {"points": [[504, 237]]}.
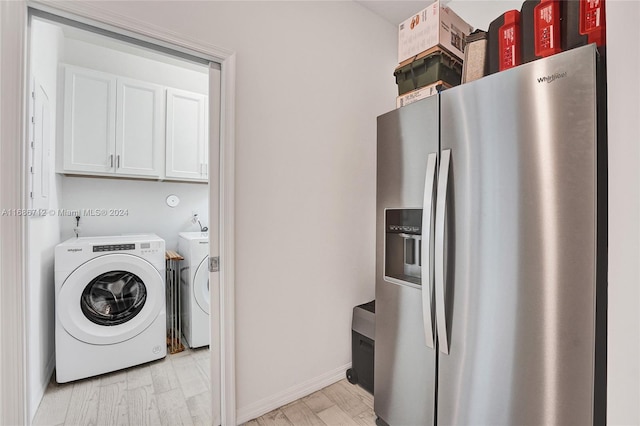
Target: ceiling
{"points": [[395, 11], [478, 13], [84, 35]]}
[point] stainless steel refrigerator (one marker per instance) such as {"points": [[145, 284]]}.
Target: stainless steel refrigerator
{"points": [[491, 251]]}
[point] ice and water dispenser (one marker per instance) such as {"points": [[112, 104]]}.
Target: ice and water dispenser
{"points": [[403, 245]]}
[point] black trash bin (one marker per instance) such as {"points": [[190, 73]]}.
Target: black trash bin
{"points": [[362, 345]]}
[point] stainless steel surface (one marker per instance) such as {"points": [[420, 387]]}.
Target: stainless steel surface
{"points": [[426, 278], [405, 368], [439, 251], [521, 242]]}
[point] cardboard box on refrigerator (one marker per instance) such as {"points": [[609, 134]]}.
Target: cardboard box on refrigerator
{"points": [[435, 25]]}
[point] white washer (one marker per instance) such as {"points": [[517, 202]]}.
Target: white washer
{"points": [[110, 304], [194, 287]]}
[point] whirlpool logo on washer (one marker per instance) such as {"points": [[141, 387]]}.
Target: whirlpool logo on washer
{"points": [[74, 250]]}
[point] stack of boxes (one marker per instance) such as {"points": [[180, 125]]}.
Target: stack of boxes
{"points": [[430, 53], [432, 44], [543, 28]]}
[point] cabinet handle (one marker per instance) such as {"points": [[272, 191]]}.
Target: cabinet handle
{"points": [[111, 161], [117, 161]]}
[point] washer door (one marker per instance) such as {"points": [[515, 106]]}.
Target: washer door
{"points": [[110, 299], [201, 285]]}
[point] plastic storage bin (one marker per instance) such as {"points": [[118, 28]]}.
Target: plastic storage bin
{"points": [[426, 69], [362, 346]]}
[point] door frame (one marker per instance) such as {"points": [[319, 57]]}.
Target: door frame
{"points": [[14, 33]]}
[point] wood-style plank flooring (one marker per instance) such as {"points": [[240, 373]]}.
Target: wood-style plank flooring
{"points": [[175, 391], [341, 404], [171, 391]]}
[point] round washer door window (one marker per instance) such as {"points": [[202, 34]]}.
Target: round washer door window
{"points": [[113, 298], [110, 299], [201, 285]]}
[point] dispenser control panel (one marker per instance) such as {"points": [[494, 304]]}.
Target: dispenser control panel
{"points": [[403, 246]]}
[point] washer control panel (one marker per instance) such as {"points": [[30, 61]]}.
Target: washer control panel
{"points": [[114, 247], [150, 248]]}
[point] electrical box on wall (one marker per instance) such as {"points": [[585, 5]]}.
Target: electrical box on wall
{"points": [[39, 151]]}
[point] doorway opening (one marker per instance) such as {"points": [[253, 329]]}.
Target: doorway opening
{"points": [[121, 134]]}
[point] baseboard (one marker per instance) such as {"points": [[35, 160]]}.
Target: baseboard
{"points": [[263, 406], [33, 406]]}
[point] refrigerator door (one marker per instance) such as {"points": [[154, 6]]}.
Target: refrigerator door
{"points": [[405, 367], [518, 297]]}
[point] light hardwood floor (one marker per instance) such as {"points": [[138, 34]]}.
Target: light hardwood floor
{"points": [[175, 391], [171, 391], [341, 404]]}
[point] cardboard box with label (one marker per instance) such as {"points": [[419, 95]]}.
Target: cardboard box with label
{"points": [[435, 25]]}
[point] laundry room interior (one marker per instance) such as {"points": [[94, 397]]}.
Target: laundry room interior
{"points": [[118, 166]]}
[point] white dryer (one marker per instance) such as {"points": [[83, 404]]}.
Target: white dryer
{"points": [[110, 304], [194, 287]]}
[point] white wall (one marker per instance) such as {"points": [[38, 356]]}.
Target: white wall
{"points": [[144, 201], [311, 79], [480, 13], [111, 56], [43, 232], [623, 61]]}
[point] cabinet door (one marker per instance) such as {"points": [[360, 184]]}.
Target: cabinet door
{"points": [[89, 121], [139, 127], [186, 135]]}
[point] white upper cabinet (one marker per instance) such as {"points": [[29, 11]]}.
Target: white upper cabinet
{"points": [[186, 154], [115, 126], [139, 147], [89, 121], [112, 125]]}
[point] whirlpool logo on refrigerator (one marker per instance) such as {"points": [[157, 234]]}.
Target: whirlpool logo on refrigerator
{"points": [[551, 78]]}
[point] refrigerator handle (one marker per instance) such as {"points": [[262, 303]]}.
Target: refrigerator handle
{"points": [[425, 273], [441, 204]]}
